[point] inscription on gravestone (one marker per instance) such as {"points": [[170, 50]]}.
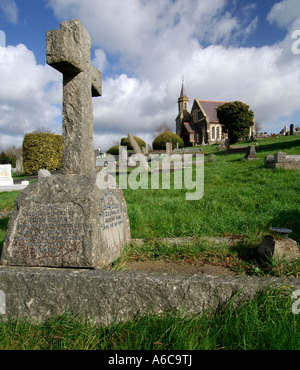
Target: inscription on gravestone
{"points": [[49, 230]]}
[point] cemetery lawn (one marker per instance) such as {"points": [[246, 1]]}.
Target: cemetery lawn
{"points": [[242, 200]]}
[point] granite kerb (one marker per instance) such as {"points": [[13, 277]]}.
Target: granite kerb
{"points": [[37, 294]]}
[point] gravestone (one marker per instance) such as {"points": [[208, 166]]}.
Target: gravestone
{"points": [[291, 129], [251, 153], [19, 165], [68, 220], [141, 158], [227, 145], [43, 173], [169, 149], [5, 175]]}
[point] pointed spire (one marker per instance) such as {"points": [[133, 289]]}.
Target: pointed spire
{"points": [[183, 92]]}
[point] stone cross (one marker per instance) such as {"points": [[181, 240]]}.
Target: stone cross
{"points": [[69, 51]]}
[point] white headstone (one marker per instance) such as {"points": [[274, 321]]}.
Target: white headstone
{"points": [[5, 175]]}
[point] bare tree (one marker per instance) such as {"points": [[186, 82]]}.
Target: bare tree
{"points": [[164, 127]]}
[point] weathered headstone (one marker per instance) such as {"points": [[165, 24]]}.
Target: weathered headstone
{"points": [[68, 220], [251, 153], [169, 149], [5, 175], [69, 51], [43, 173], [19, 165], [291, 129], [227, 145], [284, 248], [142, 159]]}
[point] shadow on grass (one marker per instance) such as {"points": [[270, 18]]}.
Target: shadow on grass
{"points": [[280, 146], [289, 219]]}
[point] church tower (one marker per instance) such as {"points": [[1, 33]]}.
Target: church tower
{"points": [[183, 108], [183, 100]]}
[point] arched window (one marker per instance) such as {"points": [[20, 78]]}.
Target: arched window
{"points": [[218, 133], [213, 133]]}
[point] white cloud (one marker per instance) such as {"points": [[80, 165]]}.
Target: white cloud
{"points": [[10, 10], [157, 42], [285, 13], [153, 43], [28, 93]]}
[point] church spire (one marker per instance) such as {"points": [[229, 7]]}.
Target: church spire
{"points": [[183, 92], [183, 100]]}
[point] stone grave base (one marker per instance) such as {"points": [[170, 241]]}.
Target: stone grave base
{"points": [[36, 294], [66, 221], [282, 248]]}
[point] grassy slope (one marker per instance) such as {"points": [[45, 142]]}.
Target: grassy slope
{"points": [[240, 198]]}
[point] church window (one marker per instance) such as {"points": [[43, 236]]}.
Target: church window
{"points": [[213, 133], [218, 133], [191, 137]]}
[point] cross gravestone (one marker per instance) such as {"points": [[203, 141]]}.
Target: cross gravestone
{"points": [[68, 220], [69, 51]]}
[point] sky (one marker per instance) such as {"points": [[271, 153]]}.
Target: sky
{"points": [[226, 50]]}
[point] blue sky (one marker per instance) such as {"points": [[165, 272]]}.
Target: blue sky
{"points": [[226, 49]]}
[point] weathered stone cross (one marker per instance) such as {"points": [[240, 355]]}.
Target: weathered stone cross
{"points": [[69, 51]]}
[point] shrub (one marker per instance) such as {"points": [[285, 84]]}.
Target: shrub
{"points": [[125, 142], [114, 150], [41, 150], [160, 141]]}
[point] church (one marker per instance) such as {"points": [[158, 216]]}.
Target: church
{"points": [[201, 126]]}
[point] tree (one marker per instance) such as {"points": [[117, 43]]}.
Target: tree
{"points": [[237, 118], [164, 127], [166, 137]]}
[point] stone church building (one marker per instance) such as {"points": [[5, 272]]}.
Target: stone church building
{"points": [[202, 125]]}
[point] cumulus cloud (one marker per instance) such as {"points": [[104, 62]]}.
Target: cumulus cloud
{"points": [[157, 42], [28, 94], [143, 48], [10, 10]]}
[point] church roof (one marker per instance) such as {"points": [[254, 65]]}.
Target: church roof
{"points": [[210, 109], [191, 127]]}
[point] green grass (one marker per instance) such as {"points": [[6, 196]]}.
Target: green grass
{"points": [[264, 323], [240, 198]]}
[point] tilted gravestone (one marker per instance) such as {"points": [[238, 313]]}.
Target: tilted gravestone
{"points": [[68, 220], [142, 159]]}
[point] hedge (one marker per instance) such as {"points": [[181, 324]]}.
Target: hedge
{"points": [[160, 141], [41, 150], [114, 150], [126, 142]]}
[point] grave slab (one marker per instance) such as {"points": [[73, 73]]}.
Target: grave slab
{"points": [[107, 297]]}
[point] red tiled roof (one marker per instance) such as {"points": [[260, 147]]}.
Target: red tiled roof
{"points": [[210, 109]]}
